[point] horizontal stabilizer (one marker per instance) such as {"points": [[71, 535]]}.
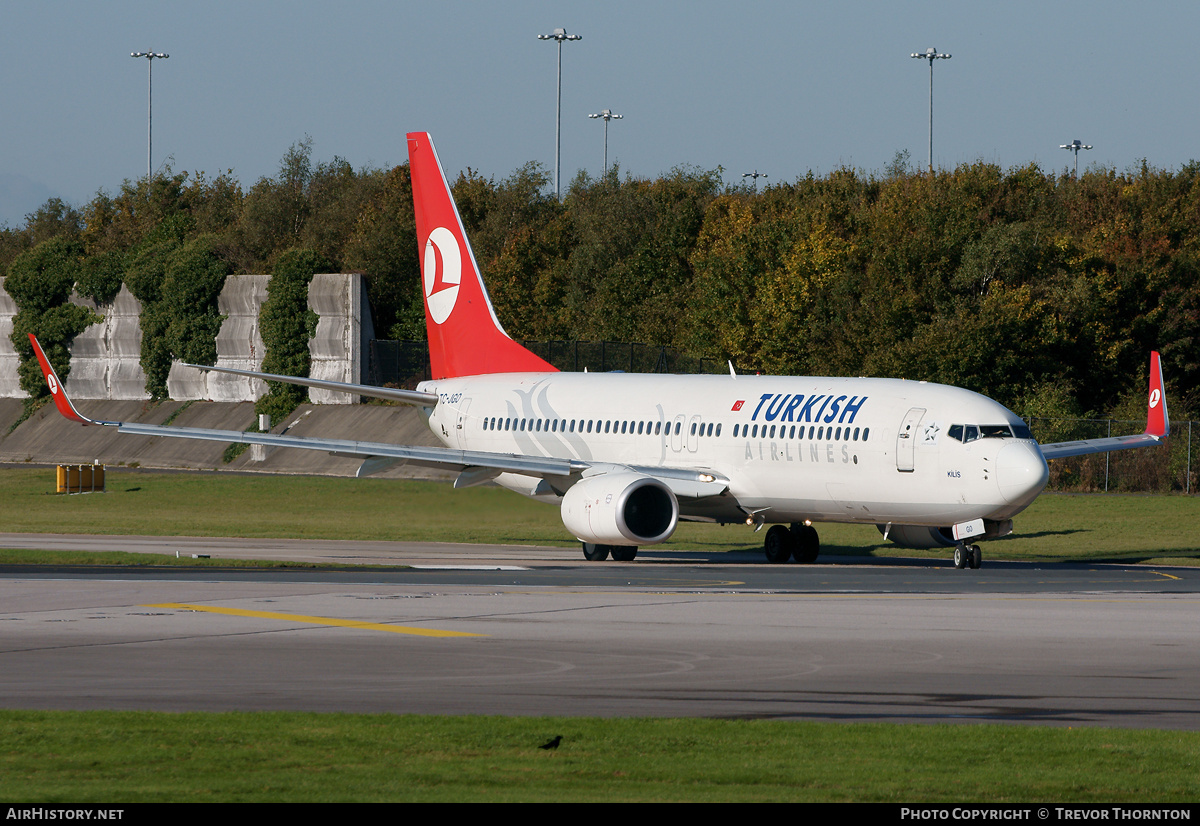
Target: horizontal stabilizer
{"points": [[390, 393]]}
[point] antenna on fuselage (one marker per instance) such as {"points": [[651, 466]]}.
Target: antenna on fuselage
{"points": [[730, 363]]}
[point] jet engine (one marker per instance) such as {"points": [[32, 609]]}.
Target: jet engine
{"points": [[620, 509]]}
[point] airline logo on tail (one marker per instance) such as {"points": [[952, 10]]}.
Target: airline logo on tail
{"points": [[465, 337], [441, 294]]}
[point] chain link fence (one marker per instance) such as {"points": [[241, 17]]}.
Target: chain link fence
{"points": [[1172, 468]]}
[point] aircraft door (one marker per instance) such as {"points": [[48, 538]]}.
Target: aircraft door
{"points": [[693, 440], [906, 440], [461, 426], [677, 433]]}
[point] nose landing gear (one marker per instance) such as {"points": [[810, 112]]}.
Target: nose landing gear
{"points": [[967, 556]]}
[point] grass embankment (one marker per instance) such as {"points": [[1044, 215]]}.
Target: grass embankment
{"points": [[1092, 528], [123, 757]]}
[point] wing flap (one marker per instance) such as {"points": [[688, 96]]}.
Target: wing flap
{"points": [[435, 456]]}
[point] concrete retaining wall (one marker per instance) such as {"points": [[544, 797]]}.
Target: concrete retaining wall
{"points": [[48, 438], [105, 358]]}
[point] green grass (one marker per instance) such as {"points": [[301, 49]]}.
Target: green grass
{"points": [[25, 556], [126, 757], [1085, 527]]}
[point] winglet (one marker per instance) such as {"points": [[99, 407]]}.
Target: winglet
{"points": [[1158, 423], [56, 389]]}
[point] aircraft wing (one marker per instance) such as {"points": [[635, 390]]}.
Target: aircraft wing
{"points": [[1158, 425], [475, 466]]}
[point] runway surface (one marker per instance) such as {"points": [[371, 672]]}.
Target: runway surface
{"points": [[538, 631]]}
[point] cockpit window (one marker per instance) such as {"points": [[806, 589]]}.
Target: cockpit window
{"points": [[995, 431], [970, 432]]}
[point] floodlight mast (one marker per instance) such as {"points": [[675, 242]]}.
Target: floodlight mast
{"points": [[1075, 146], [559, 35], [150, 56], [930, 54], [755, 175], [608, 115]]}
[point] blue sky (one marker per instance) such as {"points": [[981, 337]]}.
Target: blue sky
{"points": [[782, 87]]}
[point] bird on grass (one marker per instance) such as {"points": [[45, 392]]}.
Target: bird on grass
{"points": [[551, 744]]}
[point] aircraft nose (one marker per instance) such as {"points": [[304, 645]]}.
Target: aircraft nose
{"points": [[1021, 472]]}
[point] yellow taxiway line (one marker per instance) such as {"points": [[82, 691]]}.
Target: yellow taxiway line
{"points": [[341, 623]]}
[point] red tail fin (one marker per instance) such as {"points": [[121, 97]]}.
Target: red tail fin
{"points": [[1157, 421], [465, 338]]}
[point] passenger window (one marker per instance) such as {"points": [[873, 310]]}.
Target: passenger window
{"points": [[866, 431], [718, 428]]}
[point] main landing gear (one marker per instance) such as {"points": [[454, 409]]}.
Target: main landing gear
{"points": [[599, 553], [799, 541], [967, 556]]}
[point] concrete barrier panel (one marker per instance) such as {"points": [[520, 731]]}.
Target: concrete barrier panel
{"points": [[339, 350], [239, 346], [10, 381], [106, 357]]}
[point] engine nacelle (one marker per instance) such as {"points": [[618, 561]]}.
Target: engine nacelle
{"points": [[620, 509], [921, 536]]}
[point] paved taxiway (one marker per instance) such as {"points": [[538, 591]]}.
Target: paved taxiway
{"points": [[676, 634]]}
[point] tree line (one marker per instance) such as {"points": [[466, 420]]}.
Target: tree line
{"points": [[1040, 290]]}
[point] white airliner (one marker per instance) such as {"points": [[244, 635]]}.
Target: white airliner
{"points": [[627, 456]]}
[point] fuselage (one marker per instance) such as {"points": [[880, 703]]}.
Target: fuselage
{"points": [[793, 448]]}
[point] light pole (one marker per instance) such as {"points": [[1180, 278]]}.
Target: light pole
{"points": [[560, 35], [149, 102], [755, 175], [1075, 146], [607, 115], [931, 54]]}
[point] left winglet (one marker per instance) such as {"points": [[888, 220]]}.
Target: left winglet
{"points": [[56, 388]]}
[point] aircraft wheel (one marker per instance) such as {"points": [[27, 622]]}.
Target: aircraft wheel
{"points": [[624, 553], [960, 556], [778, 544], [595, 553], [976, 556], [807, 543]]}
